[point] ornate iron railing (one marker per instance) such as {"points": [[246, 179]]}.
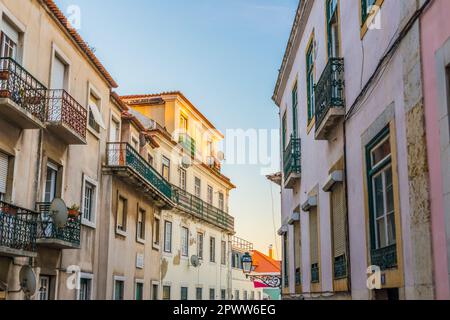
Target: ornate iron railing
{"points": [[64, 109], [47, 229], [315, 273], [202, 209], [123, 155], [188, 143], [17, 227], [329, 90], [340, 267], [292, 157], [20, 86], [385, 258]]}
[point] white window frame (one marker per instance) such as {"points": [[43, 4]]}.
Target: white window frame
{"points": [[165, 237], [183, 179], [91, 224], [133, 138], [58, 53], [156, 246], [210, 195], [115, 279], [115, 118], [199, 193], [184, 242], [123, 233], [212, 251], [144, 212], [221, 202], [87, 276], [52, 165], [202, 234], [21, 28], [92, 90]]}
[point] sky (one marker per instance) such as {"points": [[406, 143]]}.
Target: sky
{"points": [[224, 55]]}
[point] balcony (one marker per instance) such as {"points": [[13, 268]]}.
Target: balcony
{"points": [[22, 97], [188, 144], [66, 118], [330, 97], [17, 231], [385, 258], [127, 163], [202, 210], [292, 163], [51, 236]]}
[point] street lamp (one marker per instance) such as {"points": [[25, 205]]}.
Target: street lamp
{"points": [[247, 263]]}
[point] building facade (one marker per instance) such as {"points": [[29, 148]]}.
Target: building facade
{"points": [[355, 173], [196, 230], [435, 50]]}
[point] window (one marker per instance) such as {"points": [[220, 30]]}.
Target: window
{"points": [[294, 109], [199, 294], [51, 182], [237, 295], [285, 261], [198, 187], [310, 80], [4, 164], [200, 238], [150, 159], [210, 195], [252, 295], [9, 47], [221, 201], [185, 242], [155, 291], [223, 259], [183, 124], [44, 288], [339, 231], [212, 249], [166, 168], [168, 236], [166, 292], [141, 225], [209, 148], [89, 202], [114, 133], [184, 293], [139, 290], [85, 289], [223, 294], [314, 245], [119, 289], [95, 120], [245, 295], [284, 131], [122, 205], [333, 28], [183, 179], [135, 143], [212, 294], [381, 188], [156, 237], [366, 7]]}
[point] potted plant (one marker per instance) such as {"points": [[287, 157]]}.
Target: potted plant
{"points": [[74, 211]]}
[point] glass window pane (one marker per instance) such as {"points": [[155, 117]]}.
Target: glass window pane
{"points": [[379, 196], [391, 229], [381, 233], [381, 152]]}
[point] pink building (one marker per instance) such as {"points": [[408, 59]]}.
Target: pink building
{"points": [[435, 42]]}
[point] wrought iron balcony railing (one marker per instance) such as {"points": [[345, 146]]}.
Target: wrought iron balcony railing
{"points": [[385, 258], [340, 267], [201, 209], [292, 157], [17, 228], [188, 143], [70, 234], [22, 88], [329, 90], [123, 155], [315, 273], [65, 110]]}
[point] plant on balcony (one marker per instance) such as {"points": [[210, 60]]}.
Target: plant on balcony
{"points": [[74, 211]]}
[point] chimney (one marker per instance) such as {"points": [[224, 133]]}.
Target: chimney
{"points": [[271, 251]]}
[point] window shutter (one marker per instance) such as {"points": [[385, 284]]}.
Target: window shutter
{"points": [[3, 172], [314, 235], [10, 31], [339, 232]]}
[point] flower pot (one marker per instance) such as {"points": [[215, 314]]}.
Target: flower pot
{"points": [[73, 213], [4, 75]]}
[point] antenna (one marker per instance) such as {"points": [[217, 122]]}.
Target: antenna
{"points": [[27, 279], [59, 213]]}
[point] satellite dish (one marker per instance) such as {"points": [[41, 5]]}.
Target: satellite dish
{"points": [[59, 212], [195, 261], [27, 279], [221, 155], [186, 162], [210, 161]]}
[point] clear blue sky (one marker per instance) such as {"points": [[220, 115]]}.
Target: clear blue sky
{"points": [[224, 55]]}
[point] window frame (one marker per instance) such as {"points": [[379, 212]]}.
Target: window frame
{"points": [[92, 223], [197, 291], [164, 287], [122, 229], [156, 233], [212, 249], [90, 277], [186, 289], [138, 282], [183, 179], [122, 280], [140, 232], [310, 80], [210, 195], [165, 164], [200, 248], [223, 253], [165, 249], [184, 242]]}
